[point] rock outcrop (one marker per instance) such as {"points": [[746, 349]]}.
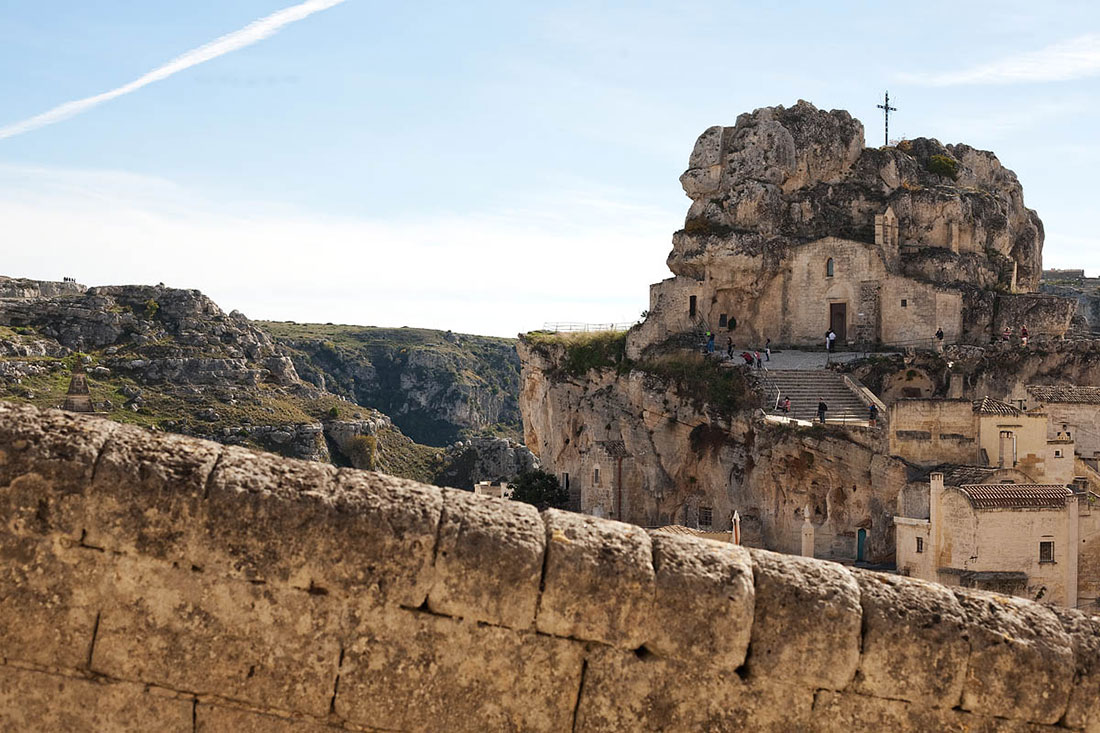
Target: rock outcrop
{"points": [[784, 176], [437, 386], [681, 458]]}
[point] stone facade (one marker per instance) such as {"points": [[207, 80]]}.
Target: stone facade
{"points": [[796, 228], [1015, 538], [929, 432], [152, 582]]}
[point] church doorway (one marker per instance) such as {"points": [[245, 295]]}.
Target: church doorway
{"points": [[838, 320], [861, 545]]}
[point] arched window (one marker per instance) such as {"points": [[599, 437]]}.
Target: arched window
{"points": [[829, 267]]}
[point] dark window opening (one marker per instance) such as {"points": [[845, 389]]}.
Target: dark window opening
{"points": [[904, 303], [596, 476], [1046, 552], [829, 267], [691, 306], [722, 320], [706, 516], [920, 544]]}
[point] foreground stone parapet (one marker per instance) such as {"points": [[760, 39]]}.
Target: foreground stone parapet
{"points": [[588, 560], [488, 562], [806, 628], [704, 592], [1021, 659], [152, 582], [914, 642]]}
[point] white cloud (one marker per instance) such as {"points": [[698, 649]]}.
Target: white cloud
{"points": [[584, 255], [1075, 58], [251, 33]]}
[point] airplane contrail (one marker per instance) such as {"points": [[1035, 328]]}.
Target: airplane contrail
{"points": [[251, 33]]}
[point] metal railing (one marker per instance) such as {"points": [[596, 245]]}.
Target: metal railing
{"points": [[571, 327]]}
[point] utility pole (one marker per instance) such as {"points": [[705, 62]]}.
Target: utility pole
{"points": [[886, 110]]}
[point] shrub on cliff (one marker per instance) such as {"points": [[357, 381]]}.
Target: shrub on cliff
{"points": [[541, 489], [943, 165], [586, 351], [702, 380], [361, 450]]}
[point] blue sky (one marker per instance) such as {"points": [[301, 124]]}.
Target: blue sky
{"points": [[484, 166]]}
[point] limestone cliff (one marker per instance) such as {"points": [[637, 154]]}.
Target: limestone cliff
{"points": [[172, 359], [437, 386], [784, 176], [684, 457]]}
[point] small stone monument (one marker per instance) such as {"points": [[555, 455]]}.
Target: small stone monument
{"points": [[807, 534], [79, 397]]}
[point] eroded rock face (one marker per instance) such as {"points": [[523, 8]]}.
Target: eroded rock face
{"points": [[681, 458], [784, 176]]}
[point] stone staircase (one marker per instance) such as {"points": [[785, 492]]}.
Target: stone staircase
{"points": [[806, 388]]}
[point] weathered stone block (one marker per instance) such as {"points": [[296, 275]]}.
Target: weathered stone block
{"points": [[1084, 636], [147, 493], [219, 719], [625, 691], [310, 526], [32, 702], [703, 606], [599, 580], [1021, 663], [488, 563], [914, 641], [409, 670], [847, 711], [806, 628], [263, 644], [48, 602], [46, 462]]}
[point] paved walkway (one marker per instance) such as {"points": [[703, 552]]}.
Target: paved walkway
{"points": [[792, 359]]}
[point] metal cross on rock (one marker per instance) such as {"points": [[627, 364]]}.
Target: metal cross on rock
{"points": [[886, 110]]}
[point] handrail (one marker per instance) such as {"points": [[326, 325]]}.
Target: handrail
{"points": [[573, 327]]}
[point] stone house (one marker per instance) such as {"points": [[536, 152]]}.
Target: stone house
{"points": [[1074, 413], [1040, 541], [986, 432]]}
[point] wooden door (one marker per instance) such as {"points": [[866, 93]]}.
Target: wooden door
{"points": [[838, 321]]}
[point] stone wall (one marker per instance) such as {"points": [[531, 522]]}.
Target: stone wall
{"points": [[152, 582]]}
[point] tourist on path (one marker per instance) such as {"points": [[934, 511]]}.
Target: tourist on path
{"points": [[756, 354], [729, 347], [768, 350], [822, 408], [872, 415], [830, 341], [787, 404], [710, 342], [1023, 335]]}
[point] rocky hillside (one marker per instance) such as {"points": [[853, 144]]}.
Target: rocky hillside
{"points": [[784, 176], [172, 360], [437, 386]]}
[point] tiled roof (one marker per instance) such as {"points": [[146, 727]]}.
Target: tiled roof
{"points": [[1067, 393], [990, 406], [1016, 496], [682, 530], [954, 475]]}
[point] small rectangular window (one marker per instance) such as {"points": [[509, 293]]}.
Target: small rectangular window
{"points": [[722, 320], [1057, 454], [706, 516], [904, 303], [920, 544], [1046, 552], [596, 476], [691, 306]]}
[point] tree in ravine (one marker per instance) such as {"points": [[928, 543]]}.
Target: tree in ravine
{"points": [[541, 489]]}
